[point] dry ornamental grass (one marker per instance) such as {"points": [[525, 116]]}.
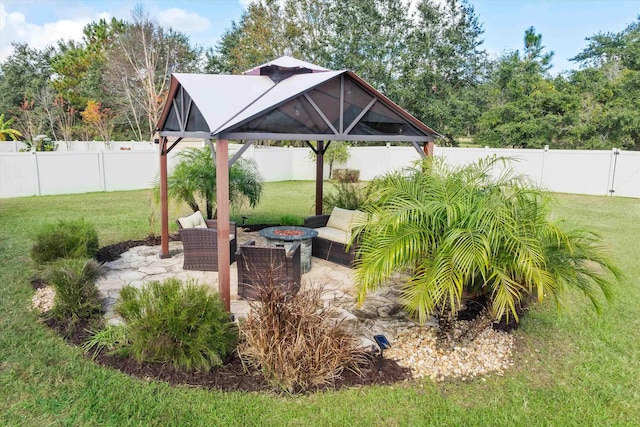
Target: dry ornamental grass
{"points": [[296, 342]]}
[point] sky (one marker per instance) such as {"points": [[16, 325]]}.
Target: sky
{"points": [[564, 24]]}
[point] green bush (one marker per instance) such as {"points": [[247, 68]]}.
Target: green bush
{"points": [[74, 281], [346, 196], [296, 342], [113, 339], [65, 239], [346, 175], [181, 324], [290, 220]]}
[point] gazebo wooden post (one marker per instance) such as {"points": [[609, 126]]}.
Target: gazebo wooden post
{"points": [[319, 176], [222, 206], [428, 148], [164, 201]]}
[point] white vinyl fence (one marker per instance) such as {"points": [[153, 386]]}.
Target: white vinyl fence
{"points": [[77, 171]]}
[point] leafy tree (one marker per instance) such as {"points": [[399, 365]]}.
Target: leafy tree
{"points": [[7, 131], [474, 230], [79, 67], [101, 119], [22, 75], [338, 152], [440, 81], [608, 89], [194, 180], [369, 38], [526, 109]]}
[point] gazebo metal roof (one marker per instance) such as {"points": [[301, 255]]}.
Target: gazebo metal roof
{"points": [[285, 99], [290, 100]]}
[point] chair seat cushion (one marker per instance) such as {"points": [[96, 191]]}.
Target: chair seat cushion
{"points": [[195, 220], [333, 234]]}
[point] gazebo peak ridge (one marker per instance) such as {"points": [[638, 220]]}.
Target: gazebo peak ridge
{"points": [[284, 67]]}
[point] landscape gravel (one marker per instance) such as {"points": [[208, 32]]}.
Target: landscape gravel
{"points": [[42, 299], [419, 350]]}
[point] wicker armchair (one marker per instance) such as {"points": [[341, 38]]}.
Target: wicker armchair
{"points": [[258, 264], [328, 249], [201, 246]]}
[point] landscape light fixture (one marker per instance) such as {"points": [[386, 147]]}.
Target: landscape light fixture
{"points": [[382, 342]]}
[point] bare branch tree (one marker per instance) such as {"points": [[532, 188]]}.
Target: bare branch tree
{"points": [[139, 66]]}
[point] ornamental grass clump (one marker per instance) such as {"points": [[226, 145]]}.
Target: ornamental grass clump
{"points": [[345, 195], [296, 342], [76, 294], [184, 325], [65, 239]]}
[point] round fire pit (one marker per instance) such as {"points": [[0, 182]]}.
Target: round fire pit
{"points": [[287, 235]]}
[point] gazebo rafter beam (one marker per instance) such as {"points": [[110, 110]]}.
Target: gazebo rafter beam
{"points": [[213, 150], [418, 149], [239, 153], [361, 115], [320, 113], [173, 145], [177, 112]]}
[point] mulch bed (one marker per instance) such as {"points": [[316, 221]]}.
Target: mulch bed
{"points": [[113, 252], [232, 376]]}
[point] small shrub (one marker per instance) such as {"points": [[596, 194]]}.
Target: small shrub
{"points": [[296, 342], [346, 196], [65, 239], [184, 325], [74, 281], [346, 175], [113, 339], [290, 220]]}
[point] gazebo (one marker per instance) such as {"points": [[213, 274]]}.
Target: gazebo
{"points": [[285, 99]]}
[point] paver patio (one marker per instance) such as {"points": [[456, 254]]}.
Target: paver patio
{"points": [[380, 314]]}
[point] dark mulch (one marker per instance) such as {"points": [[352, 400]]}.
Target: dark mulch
{"points": [[233, 376], [113, 252], [38, 282], [475, 305]]}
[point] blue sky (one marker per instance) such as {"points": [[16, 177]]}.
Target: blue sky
{"points": [[564, 24]]}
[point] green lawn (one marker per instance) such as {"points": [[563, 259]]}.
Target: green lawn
{"points": [[576, 369]]}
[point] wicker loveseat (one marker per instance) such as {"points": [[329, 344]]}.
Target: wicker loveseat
{"points": [[334, 233], [259, 264], [200, 242]]}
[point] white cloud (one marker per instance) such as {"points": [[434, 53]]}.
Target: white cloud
{"points": [[183, 21], [15, 28]]}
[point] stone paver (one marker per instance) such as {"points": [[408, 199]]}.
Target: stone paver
{"points": [[381, 313]]}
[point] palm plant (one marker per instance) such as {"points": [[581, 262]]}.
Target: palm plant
{"points": [[194, 180], [478, 229], [6, 131]]}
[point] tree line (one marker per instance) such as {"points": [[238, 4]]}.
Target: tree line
{"points": [[429, 59]]}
